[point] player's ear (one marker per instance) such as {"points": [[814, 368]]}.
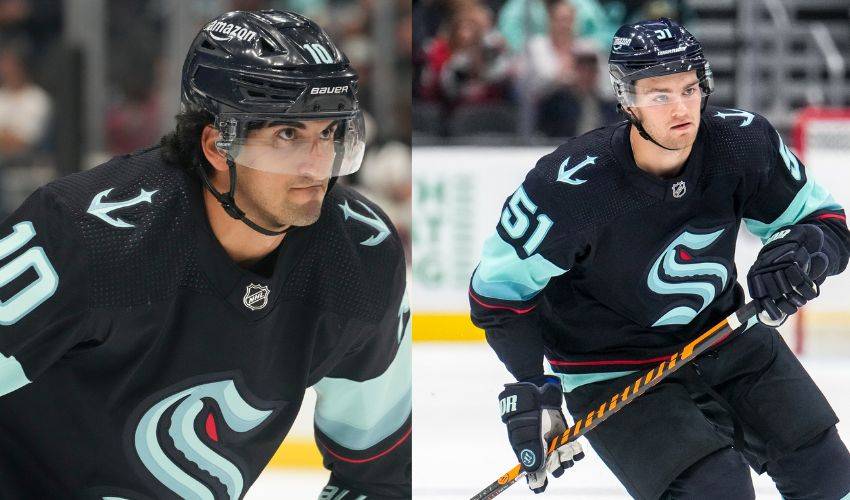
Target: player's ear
{"points": [[216, 158]]}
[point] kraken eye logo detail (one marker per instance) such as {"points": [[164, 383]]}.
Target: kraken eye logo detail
{"points": [[180, 412], [676, 261]]}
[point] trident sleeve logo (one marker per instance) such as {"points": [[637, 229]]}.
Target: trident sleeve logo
{"points": [[101, 209], [747, 116], [675, 272], [374, 222], [566, 176], [180, 413]]}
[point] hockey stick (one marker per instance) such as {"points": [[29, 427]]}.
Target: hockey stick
{"points": [[652, 377]]}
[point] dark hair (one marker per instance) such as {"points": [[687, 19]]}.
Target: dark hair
{"points": [[182, 146]]}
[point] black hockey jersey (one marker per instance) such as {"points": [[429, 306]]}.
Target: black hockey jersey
{"points": [[137, 360], [608, 269]]}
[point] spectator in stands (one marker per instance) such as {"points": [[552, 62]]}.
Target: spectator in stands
{"points": [[597, 108], [521, 20], [24, 106], [32, 20], [133, 120], [566, 75], [476, 69], [679, 10], [551, 58], [599, 19], [404, 72]]}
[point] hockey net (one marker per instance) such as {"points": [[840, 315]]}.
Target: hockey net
{"points": [[822, 140]]}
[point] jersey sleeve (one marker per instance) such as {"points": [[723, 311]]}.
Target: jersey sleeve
{"points": [[786, 194], [42, 290], [534, 242], [363, 410]]}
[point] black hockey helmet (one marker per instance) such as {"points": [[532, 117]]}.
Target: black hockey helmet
{"points": [[654, 48], [253, 68], [267, 62]]}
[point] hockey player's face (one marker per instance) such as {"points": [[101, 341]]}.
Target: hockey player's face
{"points": [[305, 152], [669, 108]]}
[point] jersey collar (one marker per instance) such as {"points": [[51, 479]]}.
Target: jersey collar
{"points": [[674, 189], [251, 294]]}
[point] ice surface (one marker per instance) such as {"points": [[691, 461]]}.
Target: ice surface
{"points": [[275, 484], [460, 445]]}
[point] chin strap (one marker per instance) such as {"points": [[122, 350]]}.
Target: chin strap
{"points": [[642, 131], [228, 203]]}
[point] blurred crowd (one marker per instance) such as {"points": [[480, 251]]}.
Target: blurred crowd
{"points": [[483, 67], [35, 104], [27, 33]]}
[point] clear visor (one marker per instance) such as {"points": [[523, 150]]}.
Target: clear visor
{"points": [[658, 92], [319, 148]]}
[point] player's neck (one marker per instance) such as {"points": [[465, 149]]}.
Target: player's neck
{"points": [[243, 245], [656, 160]]}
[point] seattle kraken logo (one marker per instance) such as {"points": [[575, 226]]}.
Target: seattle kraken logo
{"points": [[186, 407], [675, 262]]}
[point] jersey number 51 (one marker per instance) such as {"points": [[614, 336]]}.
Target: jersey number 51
{"points": [[517, 217]]}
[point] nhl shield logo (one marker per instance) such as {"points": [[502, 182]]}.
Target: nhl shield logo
{"points": [[256, 296], [679, 189]]}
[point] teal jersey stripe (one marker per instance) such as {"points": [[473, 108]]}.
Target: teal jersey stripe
{"points": [[503, 275], [12, 376], [811, 198], [359, 415], [571, 381]]}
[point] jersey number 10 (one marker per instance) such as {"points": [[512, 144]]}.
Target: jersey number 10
{"points": [[34, 293], [516, 221]]}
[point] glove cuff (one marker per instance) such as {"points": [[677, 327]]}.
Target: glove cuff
{"points": [[521, 397]]}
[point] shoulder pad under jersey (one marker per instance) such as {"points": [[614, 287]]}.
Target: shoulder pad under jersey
{"points": [[354, 259], [134, 216]]}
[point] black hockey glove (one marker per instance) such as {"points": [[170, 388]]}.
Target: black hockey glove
{"points": [[532, 412], [788, 272]]}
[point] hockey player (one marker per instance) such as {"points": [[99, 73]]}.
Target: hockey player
{"points": [[164, 313], [618, 248]]}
